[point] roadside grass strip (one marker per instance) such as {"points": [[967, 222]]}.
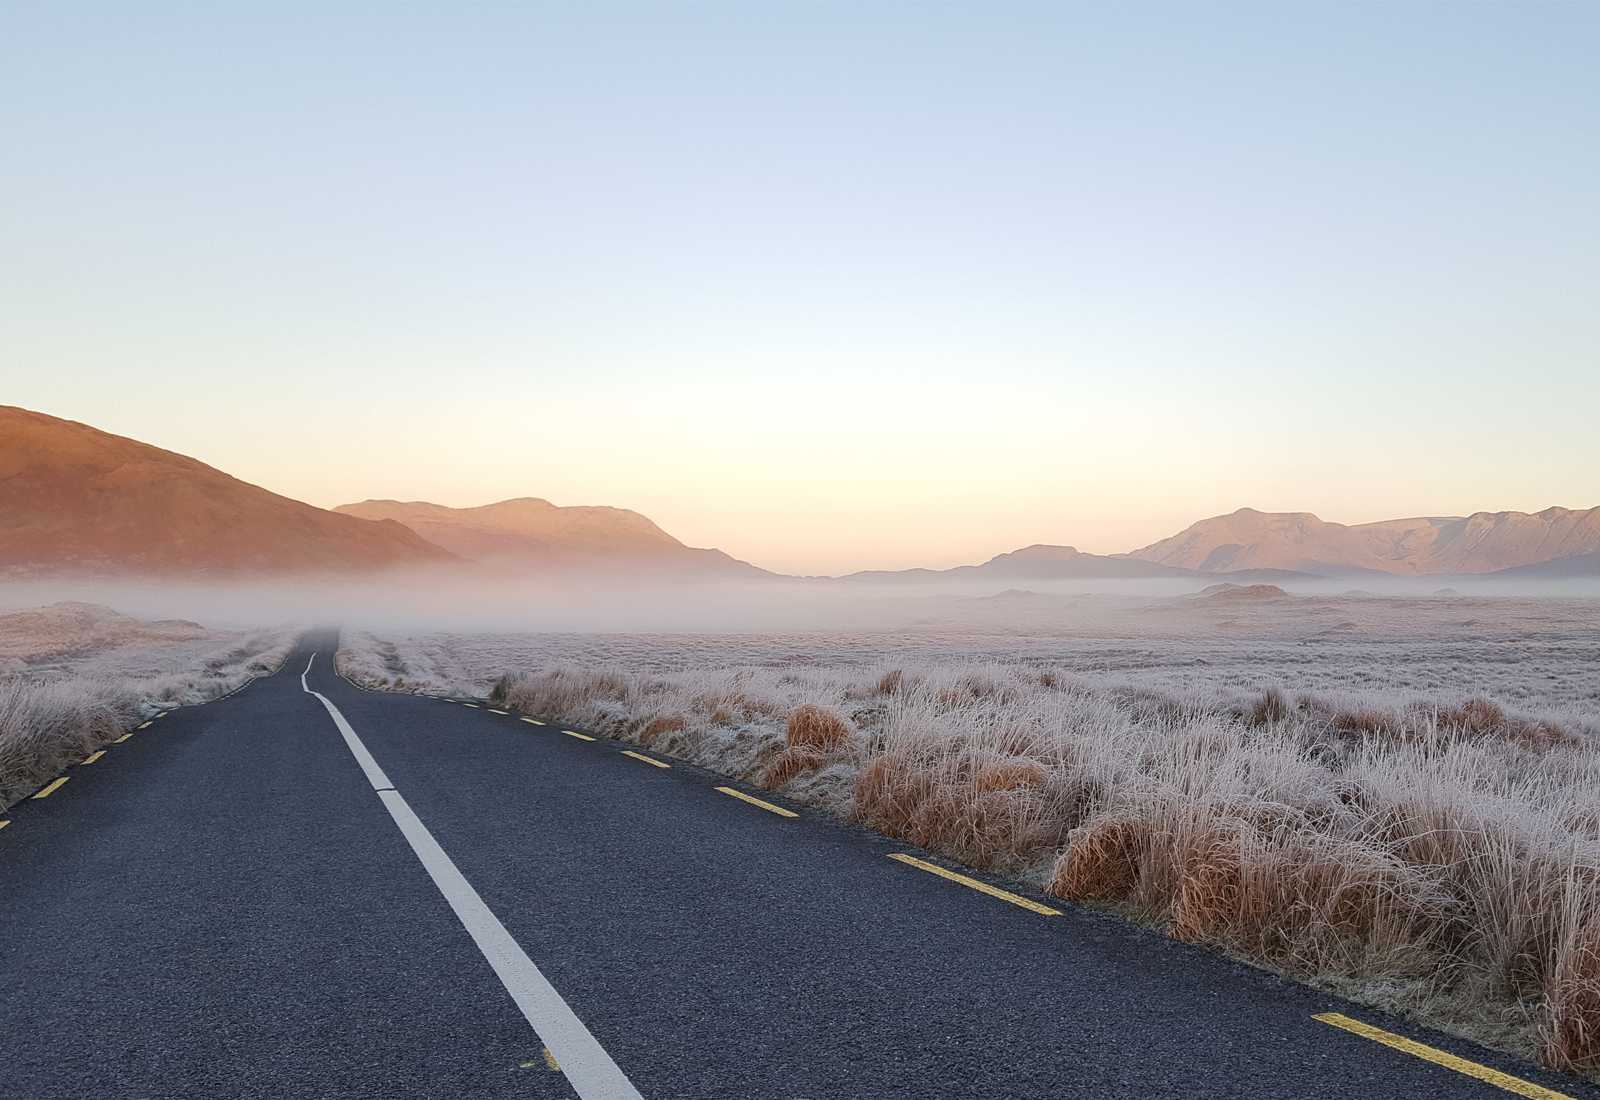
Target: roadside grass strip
{"points": [[646, 759], [579, 736], [93, 756], [974, 884], [55, 785], [754, 801], [1440, 1058]]}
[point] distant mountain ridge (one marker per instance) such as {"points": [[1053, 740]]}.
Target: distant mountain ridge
{"points": [[1484, 542], [530, 531], [1041, 562], [76, 500]]}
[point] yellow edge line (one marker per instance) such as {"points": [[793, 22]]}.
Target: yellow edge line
{"points": [[3, 824], [1441, 1058], [52, 788], [474, 706], [646, 759], [754, 801], [972, 883], [493, 711], [93, 756], [533, 721], [143, 727], [579, 736], [121, 739]]}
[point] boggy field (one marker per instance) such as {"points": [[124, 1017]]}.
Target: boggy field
{"points": [[1395, 798]]}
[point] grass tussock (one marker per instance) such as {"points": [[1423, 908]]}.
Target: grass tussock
{"points": [[1436, 857], [811, 727]]}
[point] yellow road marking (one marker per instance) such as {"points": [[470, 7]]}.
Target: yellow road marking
{"points": [[533, 721], [93, 756], [52, 788], [1441, 1058], [474, 706], [646, 759], [493, 711], [4, 823], [121, 739], [579, 736], [143, 727], [754, 801], [981, 887]]}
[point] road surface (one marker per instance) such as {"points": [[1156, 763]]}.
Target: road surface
{"points": [[315, 891]]}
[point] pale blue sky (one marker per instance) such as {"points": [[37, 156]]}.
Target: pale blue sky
{"points": [[827, 285]]}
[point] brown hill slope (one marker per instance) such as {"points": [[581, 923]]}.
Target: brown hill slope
{"points": [[74, 499], [1480, 543], [71, 628], [529, 531]]}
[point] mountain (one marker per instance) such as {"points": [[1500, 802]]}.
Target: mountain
{"points": [[1483, 542], [74, 499], [1045, 563], [529, 531]]}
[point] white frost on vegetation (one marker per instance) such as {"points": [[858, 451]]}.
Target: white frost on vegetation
{"points": [[78, 677], [1409, 819]]}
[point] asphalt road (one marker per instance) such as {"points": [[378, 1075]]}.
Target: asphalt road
{"points": [[232, 904]]}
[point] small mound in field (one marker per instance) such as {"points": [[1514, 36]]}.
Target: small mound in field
{"points": [[76, 629], [1240, 593]]}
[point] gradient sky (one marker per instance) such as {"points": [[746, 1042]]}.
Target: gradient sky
{"points": [[829, 286]]}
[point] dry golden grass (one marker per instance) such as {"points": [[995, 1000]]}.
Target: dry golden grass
{"points": [[1011, 775], [790, 763], [812, 727], [661, 725], [1101, 861], [813, 737], [939, 802], [1573, 1039]]}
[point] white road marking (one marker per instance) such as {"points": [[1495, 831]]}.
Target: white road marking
{"points": [[594, 1076]]}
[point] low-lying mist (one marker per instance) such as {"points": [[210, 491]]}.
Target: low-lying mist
{"points": [[578, 603]]}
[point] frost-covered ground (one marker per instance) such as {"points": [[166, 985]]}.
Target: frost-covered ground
{"points": [[74, 676], [1392, 797], [1539, 653]]}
